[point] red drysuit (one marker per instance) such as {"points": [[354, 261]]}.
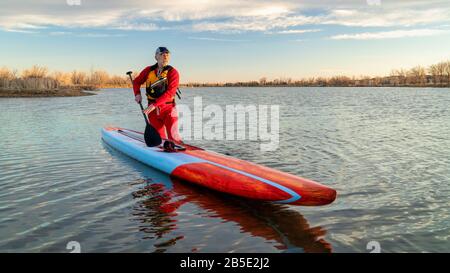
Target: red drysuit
{"points": [[165, 116]]}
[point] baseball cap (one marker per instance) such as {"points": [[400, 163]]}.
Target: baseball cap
{"points": [[162, 49]]}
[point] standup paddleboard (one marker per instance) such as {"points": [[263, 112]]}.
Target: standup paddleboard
{"points": [[220, 172]]}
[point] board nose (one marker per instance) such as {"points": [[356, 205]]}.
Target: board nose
{"points": [[316, 195]]}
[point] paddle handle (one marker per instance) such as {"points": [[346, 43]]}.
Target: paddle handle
{"points": [[140, 103]]}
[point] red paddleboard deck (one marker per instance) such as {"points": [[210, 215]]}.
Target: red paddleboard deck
{"points": [[220, 172]]}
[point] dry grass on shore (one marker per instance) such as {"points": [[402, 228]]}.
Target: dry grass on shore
{"points": [[68, 92], [38, 82]]}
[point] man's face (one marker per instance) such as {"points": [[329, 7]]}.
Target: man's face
{"points": [[163, 58]]}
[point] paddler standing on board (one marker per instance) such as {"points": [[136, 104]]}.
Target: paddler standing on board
{"points": [[161, 85]]}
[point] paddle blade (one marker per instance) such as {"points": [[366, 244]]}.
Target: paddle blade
{"points": [[151, 136]]}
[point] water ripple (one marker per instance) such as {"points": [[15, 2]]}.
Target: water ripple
{"points": [[385, 150]]}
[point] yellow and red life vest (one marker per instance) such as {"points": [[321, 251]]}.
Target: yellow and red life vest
{"points": [[156, 85]]}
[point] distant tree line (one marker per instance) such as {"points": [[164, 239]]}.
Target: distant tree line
{"points": [[39, 78], [436, 75]]}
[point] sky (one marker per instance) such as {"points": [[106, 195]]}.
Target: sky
{"points": [[227, 40]]}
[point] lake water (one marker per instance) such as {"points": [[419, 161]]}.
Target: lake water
{"points": [[385, 150]]}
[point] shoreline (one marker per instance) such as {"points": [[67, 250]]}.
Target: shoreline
{"points": [[320, 86], [77, 92], [44, 93]]}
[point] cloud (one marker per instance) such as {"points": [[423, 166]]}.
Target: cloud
{"points": [[99, 35], [255, 24], [86, 35], [195, 10], [25, 21], [226, 16], [300, 40], [215, 39], [137, 26], [20, 30], [384, 17], [59, 33], [298, 31], [390, 34]]}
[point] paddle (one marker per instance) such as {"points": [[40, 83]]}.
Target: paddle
{"points": [[151, 136]]}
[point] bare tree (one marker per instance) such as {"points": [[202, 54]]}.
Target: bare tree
{"points": [[401, 75], [446, 66], [118, 81], [78, 77], [433, 70], [417, 76], [440, 70], [7, 74], [62, 78], [35, 72], [263, 81], [99, 77]]}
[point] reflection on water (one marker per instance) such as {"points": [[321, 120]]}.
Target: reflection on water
{"points": [[160, 197], [269, 221]]}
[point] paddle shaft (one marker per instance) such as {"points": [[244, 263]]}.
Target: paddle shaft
{"points": [[140, 103]]}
